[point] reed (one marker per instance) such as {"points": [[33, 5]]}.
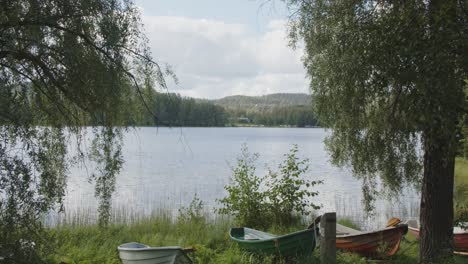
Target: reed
{"points": [[77, 239], [208, 235], [76, 242]]}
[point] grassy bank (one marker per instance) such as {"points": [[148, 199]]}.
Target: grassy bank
{"points": [[90, 244]]}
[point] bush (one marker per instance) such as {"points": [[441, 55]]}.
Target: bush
{"points": [[288, 192], [279, 198], [245, 201]]}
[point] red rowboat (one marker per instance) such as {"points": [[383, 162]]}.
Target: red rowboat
{"points": [[460, 237], [377, 244]]}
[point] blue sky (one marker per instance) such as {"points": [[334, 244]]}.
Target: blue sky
{"points": [[224, 47]]}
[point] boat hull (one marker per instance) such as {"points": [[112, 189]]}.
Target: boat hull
{"points": [[136, 253], [294, 244], [378, 244], [460, 240]]}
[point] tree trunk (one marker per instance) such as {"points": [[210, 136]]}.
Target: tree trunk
{"points": [[436, 215]]}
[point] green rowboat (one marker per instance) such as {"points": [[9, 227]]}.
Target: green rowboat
{"points": [[257, 242]]}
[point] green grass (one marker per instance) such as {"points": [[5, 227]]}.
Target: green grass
{"points": [[90, 244], [461, 172], [461, 191]]}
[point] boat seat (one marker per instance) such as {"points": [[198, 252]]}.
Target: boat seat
{"points": [[251, 234], [342, 230], [133, 245]]}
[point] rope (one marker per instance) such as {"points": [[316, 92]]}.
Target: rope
{"points": [[317, 234]]}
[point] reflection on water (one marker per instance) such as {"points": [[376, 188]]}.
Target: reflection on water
{"points": [[165, 167]]}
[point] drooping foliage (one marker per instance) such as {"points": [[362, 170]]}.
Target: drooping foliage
{"points": [[63, 64], [379, 78], [387, 77]]}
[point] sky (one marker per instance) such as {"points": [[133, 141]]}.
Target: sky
{"points": [[219, 48]]}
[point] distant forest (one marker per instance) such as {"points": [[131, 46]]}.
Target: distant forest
{"points": [[170, 109], [269, 110]]}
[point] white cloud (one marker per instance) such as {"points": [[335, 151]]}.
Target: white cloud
{"points": [[273, 52], [213, 59]]}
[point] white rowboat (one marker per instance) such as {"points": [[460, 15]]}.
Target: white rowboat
{"points": [[136, 253]]}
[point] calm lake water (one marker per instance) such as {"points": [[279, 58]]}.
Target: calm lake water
{"points": [[165, 167]]}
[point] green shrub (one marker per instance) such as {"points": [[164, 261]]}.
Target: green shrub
{"points": [[279, 198], [288, 192], [245, 201]]}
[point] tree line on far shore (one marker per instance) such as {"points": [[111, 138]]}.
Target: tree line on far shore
{"points": [[171, 109], [152, 108]]}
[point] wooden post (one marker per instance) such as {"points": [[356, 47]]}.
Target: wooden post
{"points": [[328, 238]]}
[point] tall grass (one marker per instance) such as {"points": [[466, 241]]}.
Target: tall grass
{"points": [[76, 239], [461, 171], [209, 236], [90, 244]]}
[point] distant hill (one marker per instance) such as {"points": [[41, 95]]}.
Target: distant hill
{"points": [[264, 101], [278, 110]]}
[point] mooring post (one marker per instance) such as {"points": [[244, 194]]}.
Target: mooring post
{"points": [[328, 238]]}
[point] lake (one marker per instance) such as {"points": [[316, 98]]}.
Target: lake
{"points": [[165, 167]]}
